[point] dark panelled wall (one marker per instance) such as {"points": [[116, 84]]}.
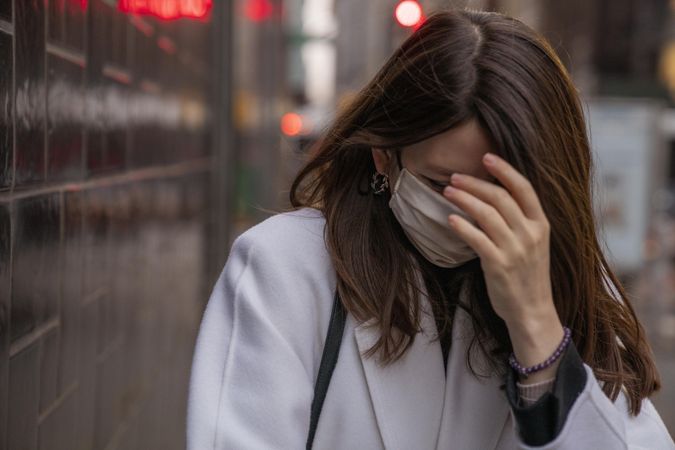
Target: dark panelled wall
{"points": [[106, 199]]}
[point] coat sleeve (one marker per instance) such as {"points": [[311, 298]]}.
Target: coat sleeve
{"points": [[577, 415], [251, 382]]}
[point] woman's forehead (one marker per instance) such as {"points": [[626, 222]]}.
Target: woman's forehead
{"points": [[459, 149]]}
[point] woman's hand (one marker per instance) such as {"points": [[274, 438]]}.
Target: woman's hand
{"points": [[513, 246]]}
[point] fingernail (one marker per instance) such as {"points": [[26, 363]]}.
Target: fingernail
{"points": [[448, 190], [489, 158]]}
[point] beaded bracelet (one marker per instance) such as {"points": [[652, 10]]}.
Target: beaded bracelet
{"points": [[525, 371]]}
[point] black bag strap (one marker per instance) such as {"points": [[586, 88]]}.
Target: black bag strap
{"points": [[328, 360]]}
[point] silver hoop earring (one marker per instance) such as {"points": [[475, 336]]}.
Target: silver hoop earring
{"points": [[380, 183]]}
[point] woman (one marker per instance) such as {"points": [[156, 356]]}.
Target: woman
{"points": [[450, 207]]}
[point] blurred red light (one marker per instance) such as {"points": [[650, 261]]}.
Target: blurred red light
{"points": [[409, 13], [258, 10], [168, 9], [291, 124]]}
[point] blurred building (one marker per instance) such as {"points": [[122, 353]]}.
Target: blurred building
{"points": [[111, 179]]}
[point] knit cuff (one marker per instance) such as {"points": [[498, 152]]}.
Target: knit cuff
{"points": [[530, 393]]}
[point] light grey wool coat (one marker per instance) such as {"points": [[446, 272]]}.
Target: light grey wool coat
{"points": [[260, 343]]}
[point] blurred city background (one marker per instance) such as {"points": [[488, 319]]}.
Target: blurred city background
{"points": [[139, 137]]}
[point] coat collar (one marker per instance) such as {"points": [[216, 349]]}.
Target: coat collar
{"points": [[416, 407]]}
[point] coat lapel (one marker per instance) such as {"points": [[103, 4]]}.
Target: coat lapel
{"points": [[475, 409], [416, 407], [407, 395]]}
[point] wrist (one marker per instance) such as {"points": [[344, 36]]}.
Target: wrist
{"points": [[545, 369], [535, 340]]}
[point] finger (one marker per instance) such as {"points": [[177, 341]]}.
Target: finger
{"points": [[491, 194], [486, 215], [519, 186], [474, 237]]}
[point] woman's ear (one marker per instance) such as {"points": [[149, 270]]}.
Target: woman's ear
{"points": [[382, 159]]}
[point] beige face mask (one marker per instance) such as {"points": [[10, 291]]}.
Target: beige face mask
{"points": [[423, 214]]}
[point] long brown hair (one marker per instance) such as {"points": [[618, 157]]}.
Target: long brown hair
{"points": [[461, 65]]}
